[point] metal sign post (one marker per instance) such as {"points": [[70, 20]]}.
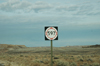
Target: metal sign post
{"points": [[51, 54], [51, 33]]}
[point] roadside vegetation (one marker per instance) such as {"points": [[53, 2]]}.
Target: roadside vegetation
{"points": [[44, 60], [41, 56]]}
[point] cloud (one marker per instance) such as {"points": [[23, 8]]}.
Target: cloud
{"points": [[94, 13], [40, 6], [14, 5], [3, 0], [65, 23], [67, 8], [88, 10]]}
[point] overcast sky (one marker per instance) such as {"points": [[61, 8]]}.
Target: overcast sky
{"points": [[22, 22]]}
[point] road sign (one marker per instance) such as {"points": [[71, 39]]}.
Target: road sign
{"points": [[51, 33]]}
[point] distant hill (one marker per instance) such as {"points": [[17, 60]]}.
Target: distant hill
{"points": [[10, 47], [92, 46]]}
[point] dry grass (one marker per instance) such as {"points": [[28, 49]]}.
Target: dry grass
{"points": [[44, 60], [41, 57]]}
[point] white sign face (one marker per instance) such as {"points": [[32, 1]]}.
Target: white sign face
{"points": [[51, 33]]}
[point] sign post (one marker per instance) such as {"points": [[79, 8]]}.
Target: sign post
{"points": [[51, 54], [51, 33]]}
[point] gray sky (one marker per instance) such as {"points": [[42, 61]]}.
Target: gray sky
{"points": [[22, 22]]}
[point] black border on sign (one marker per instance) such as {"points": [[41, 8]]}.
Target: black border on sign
{"points": [[56, 27]]}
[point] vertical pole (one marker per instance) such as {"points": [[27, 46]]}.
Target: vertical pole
{"points": [[51, 54]]}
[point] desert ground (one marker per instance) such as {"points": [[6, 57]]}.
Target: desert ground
{"points": [[20, 55]]}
